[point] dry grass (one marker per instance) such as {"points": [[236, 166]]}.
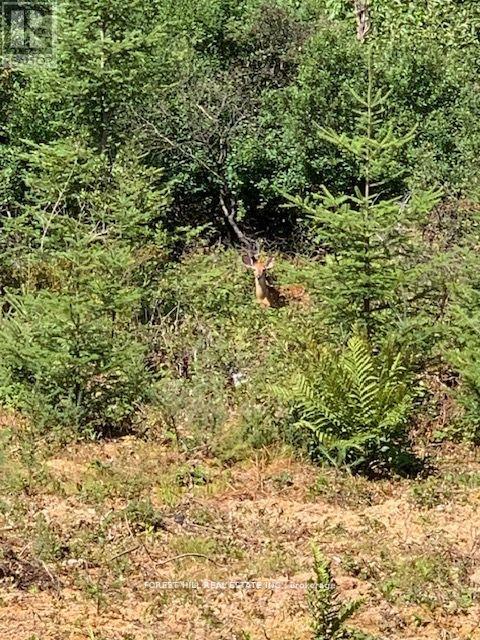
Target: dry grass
{"points": [[87, 529]]}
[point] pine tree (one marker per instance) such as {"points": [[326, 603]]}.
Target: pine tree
{"points": [[85, 235], [371, 236], [110, 57]]}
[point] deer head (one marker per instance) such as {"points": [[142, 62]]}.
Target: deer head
{"points": [[260, 267]]}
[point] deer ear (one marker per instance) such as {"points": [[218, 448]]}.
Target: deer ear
{"points": [[248, 261], [270, 263]]}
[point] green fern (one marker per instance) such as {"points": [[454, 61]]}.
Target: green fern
{"points": [[357, 409], [329, 615]]}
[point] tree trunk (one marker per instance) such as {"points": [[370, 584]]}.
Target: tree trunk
{"points": [[363, 18]]}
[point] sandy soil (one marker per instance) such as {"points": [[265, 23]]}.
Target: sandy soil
{"points": [[83, 558]]}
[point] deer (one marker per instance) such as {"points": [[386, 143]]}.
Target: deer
{"points": [[266, 294]]}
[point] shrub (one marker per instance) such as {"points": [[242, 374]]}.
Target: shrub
{"points": [[461, 346], [81, 259], [355, 411], [142, 516], [218, 352]]}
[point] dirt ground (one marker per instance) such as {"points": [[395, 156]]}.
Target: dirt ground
{"points": [[128, 540]]}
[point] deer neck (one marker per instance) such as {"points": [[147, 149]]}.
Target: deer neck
{"points": [[261, 288]]}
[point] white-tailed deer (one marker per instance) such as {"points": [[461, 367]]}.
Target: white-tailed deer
{"points": [[268, 295]]}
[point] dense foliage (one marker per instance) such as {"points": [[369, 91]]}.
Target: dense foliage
{"points": [[357, 410], [165, 128]]}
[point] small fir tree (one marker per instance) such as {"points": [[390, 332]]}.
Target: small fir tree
{"points": [[371, 237]]}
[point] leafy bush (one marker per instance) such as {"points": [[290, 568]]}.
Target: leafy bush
{"points": [[356, 409], [210, 330], [142, 516], [461, 345]]}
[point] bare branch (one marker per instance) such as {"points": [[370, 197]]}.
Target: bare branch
{"points": [[230, 216], [124, 553]]}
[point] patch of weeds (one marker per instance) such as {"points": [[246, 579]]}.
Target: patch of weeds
{"points": [[283, 481], [430, 493], [159, 605], [142, 516], [373, 525], [169, 494], [19, 480], [435, 579], [338, 530], [47, 545], [213, 488], [95, 491], [357, 567], [94, 590], [435, 491], [343, 489], [24, 471], [469, 480], [257, 429], [195, 544], [202, 516], [106, 482], [275, 560], [100, 591], [194, 476], [16, 509], [211, 618], [230, 548], [232, 449], [88, 544], [100, 466]]}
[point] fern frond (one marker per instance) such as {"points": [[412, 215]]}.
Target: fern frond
{"points": [[348, 610], [328, 613], [359, 401], [360, 365]]}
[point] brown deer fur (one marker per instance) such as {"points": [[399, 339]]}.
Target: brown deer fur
{"points": [[266, 294]]}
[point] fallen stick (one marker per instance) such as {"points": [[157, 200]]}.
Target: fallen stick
{"points": [[187, 555], [124, 553]]}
